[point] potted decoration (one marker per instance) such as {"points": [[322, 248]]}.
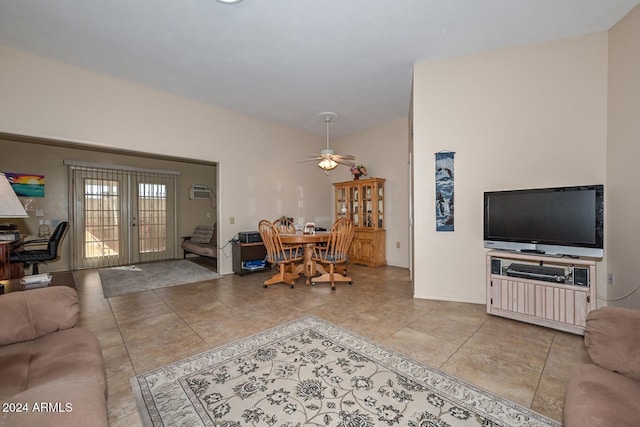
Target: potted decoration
{"points": [[357, 171]]}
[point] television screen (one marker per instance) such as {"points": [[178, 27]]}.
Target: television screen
{"points": [[562, 220]]}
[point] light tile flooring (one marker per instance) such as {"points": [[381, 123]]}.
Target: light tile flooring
{"points": [[138, 332]]}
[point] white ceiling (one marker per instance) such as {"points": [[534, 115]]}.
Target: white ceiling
{"points": [[285, 61]]}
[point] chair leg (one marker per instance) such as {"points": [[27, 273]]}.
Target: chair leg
{"points": [[282, 276]]}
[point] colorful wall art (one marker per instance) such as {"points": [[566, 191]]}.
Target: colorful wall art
{"points": [[26, 185], [444, 191]]}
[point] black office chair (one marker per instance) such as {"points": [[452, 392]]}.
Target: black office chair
{"points": [[35, 256]]}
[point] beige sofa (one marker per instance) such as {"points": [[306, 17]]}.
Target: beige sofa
{"points": [[51, 372], [202, 242], [607, 391]]}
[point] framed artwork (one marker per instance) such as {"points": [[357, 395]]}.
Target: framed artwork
{"points": [[26, 185], [444, 191]]}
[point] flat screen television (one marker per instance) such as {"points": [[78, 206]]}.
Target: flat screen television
{"points": [[556, 221]]}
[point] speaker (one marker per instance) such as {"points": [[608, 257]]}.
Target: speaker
{"points": [[580, 276], [496, 266]]}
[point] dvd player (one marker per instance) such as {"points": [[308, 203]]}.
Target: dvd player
{"points": [[537, 272]]}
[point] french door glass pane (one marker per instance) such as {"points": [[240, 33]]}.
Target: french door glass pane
{"points": [[101, 218], [152, 214]]}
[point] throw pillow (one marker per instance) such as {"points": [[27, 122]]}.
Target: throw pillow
{"points": [[202, 234]]}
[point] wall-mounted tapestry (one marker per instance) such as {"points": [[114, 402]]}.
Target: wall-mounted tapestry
{"points": [[26, 185], [444, 191]]}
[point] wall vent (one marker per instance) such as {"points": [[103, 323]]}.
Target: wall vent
{"points": [[199, 192]]}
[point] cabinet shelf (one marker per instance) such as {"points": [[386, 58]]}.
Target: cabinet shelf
{"points": [[242, 252]]}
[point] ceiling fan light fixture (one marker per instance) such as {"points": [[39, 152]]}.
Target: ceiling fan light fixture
{"points": [[230, 1], [327, 164], [329, 160]]}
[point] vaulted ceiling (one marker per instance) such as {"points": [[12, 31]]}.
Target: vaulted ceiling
{"points": [[285, 61]]}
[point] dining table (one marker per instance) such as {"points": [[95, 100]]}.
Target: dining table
{"points": [[309, 267]]}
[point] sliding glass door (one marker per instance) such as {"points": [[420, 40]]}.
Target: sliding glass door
{"points": [[121, 216]]}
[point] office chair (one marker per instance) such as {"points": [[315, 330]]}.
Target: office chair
{"points": [[35, 256]]}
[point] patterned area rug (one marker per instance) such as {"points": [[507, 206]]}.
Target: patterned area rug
{"points": [[311, 372], [142, 277]]}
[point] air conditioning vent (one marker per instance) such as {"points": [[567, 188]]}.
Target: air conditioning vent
{"points": [[199, 192]]}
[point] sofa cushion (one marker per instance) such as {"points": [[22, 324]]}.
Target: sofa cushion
{"points": [[57, 358], [612, 338], [597, 397], [27, 315], [201, 249], [203, 234]]}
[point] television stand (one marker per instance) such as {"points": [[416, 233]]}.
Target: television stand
{"points": [[559, 304]]}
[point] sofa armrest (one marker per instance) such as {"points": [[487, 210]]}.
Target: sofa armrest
{"points": [[27, 315], [612, 338]]}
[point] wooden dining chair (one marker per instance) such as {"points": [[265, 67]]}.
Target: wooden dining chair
{"points": [[284, 225], [335, 254], [284, 257]]}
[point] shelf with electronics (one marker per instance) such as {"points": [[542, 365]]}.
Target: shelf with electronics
{"points": [[561, 302], [362, 201]]}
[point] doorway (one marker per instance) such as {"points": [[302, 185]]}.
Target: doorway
{"points": [[121, 215]]}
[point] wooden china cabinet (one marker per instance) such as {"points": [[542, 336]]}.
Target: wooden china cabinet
{"points": [[362, 201]]}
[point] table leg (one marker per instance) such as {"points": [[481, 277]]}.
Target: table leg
{"points": [[309, 264]]}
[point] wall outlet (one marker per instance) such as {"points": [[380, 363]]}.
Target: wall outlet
{"points": [[208, 214], [232, 220], [611, 279]]}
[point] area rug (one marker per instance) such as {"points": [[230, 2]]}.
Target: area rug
{"points": [[142, 277], [311, 372]]}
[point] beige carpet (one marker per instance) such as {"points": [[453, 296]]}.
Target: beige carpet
{"points": [[143, 277], [312, 372]]}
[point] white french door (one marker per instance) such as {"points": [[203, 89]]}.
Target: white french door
{"points": [[121, 216]]}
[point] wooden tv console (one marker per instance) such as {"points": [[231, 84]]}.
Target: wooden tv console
{"points": [[563, 306]]}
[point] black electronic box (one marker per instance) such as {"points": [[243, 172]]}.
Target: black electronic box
{"points": [[249, 237]]}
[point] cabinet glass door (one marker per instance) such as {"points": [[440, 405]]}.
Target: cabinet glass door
{"points": [[341, 203], [380, 207], [354, 202], [367, 198]]}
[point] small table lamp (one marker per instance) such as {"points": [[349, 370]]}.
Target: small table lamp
{"points": [[10, 207]]}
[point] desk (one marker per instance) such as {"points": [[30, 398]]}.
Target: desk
{"points": [[8, 270], [308, 240]]}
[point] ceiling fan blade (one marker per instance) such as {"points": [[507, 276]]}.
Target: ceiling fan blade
{"points": [[345, 156], [315, 159], [343, 162]]}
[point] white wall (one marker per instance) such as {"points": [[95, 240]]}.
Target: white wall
{"points": [[623, 174], [532, 116], [384, 150], [258, 174]]}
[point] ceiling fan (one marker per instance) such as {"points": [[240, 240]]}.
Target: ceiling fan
{"points": [[327, 157]]}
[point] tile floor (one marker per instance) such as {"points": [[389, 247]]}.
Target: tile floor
{"points": [[138, 332]]}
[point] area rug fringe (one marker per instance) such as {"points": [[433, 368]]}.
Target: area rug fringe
{"points": [[312, 372]]}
